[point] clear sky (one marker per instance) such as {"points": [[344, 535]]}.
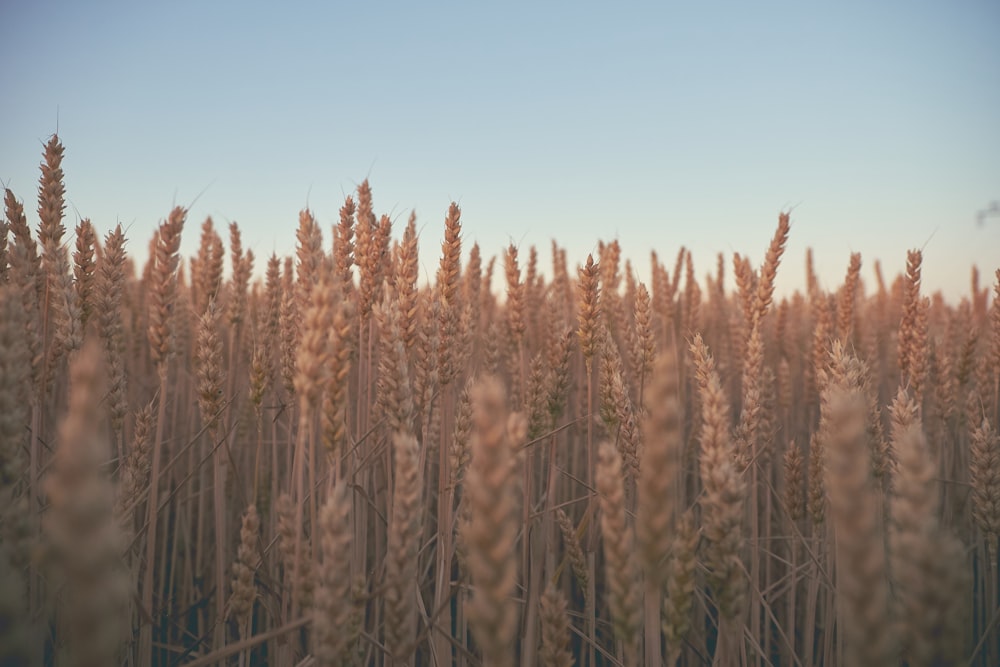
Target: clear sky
{"points": [[660, 124]]}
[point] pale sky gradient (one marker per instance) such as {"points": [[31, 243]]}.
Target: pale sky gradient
{"points": [[660, 124]]}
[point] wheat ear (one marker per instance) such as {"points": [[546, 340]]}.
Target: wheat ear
{"points": [[624, 599], [332, 612], [554, 651], [84, 542], [862, 585], [490, 536], [403, 546], [927, 560]]}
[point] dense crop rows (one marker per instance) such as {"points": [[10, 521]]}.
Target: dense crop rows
{"points": [[337, 464]]}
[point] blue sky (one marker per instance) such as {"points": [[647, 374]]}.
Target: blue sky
{"points": [[661, 125]]}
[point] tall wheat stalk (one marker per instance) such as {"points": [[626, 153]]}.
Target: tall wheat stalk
{"points": [[161, 300]]}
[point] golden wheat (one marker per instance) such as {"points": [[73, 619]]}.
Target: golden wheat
{"points": [[349, 460]]}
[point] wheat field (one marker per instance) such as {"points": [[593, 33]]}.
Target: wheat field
{"points": [[337, 463]]}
